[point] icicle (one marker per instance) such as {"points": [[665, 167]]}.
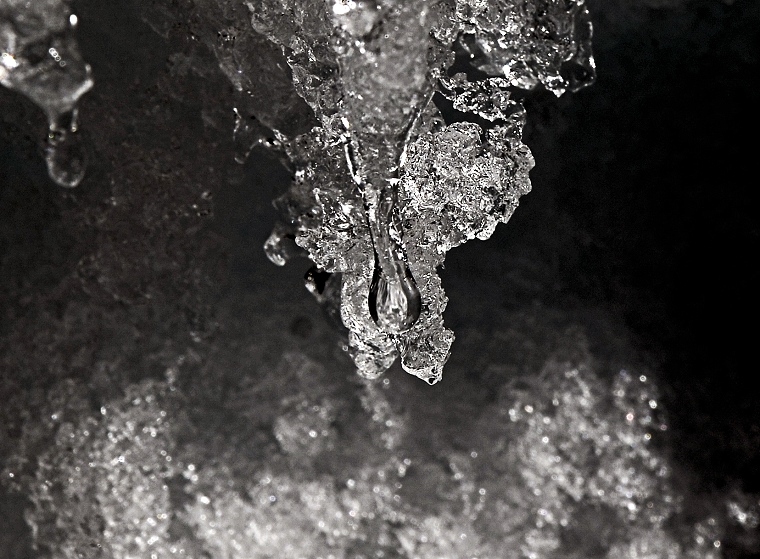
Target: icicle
{"points": [[40, 59]]}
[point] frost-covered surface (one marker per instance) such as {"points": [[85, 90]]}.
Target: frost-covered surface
{"points": [[295, 459]]}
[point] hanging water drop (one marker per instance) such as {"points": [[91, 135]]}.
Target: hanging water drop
{"points": [[65, 154], [394, 300]]}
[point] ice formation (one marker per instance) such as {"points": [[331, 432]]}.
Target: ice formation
{"points": [[40, 59], [384, 186]]}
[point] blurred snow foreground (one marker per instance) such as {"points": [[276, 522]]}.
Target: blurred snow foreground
{"points": [[402, 124], [294, 461]]}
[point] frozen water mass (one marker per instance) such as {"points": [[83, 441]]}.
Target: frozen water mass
{"points": [[384, 186], [142, 417]]}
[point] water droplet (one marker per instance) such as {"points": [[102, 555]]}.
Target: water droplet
{"points": [[65, 153], [394, 300], [316, 280]]}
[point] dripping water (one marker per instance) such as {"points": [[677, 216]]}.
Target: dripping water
{"points": [[394, 299], [65, 154]]}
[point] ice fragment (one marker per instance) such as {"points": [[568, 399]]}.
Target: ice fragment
{"points": [[384, 187]]}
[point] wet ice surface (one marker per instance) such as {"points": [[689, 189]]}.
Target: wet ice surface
{"points": [[151, 409]]}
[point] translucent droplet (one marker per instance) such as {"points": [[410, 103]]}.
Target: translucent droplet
{"points": [[394, 300], [65, 154], [316, 281]]}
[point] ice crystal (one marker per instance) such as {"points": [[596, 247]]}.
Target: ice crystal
{"points": [[98, 469], [384, 187], [40, 59]]}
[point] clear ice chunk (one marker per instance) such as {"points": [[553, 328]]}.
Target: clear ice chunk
{"points": [[530, 42], [384, 188], [279, 246]]}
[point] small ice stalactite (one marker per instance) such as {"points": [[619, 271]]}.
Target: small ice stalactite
{"points": [[40, 59], [350, 91]]}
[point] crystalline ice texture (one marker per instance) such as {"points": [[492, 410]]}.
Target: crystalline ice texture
{"points": [[530, 42], [101, 480], [365, 76], [39, 58], [384, 188]]}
